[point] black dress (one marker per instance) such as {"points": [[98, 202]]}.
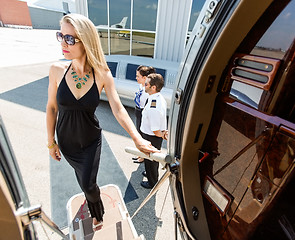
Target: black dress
{"points": [[79, 139]]}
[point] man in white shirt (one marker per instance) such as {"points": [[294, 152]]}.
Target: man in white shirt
{"points": [[140, 99], [153, 124]]}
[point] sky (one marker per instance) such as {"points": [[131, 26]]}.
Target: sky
{"points": [[52, 4], [284, 26]]}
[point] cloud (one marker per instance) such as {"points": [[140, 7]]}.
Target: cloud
{"points": [[287, 15], [196, 14], [152, 6]]}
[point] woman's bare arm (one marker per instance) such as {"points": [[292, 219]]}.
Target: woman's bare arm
{"points": [[122, 116], [51, 112]]}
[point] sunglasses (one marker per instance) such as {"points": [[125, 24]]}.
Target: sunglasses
{"points": [[69, 39]]}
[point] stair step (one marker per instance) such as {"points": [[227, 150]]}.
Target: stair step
{"points": [[118, 231], [111, 214], [110, 217], [116, 217]]}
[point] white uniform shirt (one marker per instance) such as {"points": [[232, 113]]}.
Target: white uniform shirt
{"points": [[143, 97], [154, 115]]}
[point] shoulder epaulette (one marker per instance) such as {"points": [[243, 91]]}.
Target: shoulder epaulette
{"points": [[154, 103]]}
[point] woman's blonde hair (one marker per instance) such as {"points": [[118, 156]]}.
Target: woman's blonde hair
{"points": [[88, 35]]}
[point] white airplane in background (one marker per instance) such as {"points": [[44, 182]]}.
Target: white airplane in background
{"points": [[103, 28]]}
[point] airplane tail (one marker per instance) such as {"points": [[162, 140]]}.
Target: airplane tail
{"points": [[123, 22]]}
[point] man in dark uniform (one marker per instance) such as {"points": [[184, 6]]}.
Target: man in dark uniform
{"points": [[153, 124]]}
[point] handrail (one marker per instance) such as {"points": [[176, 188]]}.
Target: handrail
{"points": [[158, 156]]}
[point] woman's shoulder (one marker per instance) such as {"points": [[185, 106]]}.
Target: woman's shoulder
{"points": [[103, 71], [103, 74], [58, 69], [59, 66]]}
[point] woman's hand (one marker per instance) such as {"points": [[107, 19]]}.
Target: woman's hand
{"points": [[145, 146], [55, 153], [162, 134], [165, 134]]}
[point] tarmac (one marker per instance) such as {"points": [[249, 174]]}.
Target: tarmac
{"points": [[26, 56]]}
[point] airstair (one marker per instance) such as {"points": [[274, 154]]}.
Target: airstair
{"points": [[117, 223]]}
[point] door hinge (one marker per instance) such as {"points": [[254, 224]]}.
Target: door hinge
{"points": [[211, 9]]}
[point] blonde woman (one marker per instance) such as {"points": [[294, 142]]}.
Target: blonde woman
{"points": [[73, 95]]}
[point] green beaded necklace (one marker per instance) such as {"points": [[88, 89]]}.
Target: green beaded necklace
{"points": [[80, 81]]}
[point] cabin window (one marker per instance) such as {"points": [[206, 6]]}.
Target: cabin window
{"points": [[279, 36], [253, 77]]}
